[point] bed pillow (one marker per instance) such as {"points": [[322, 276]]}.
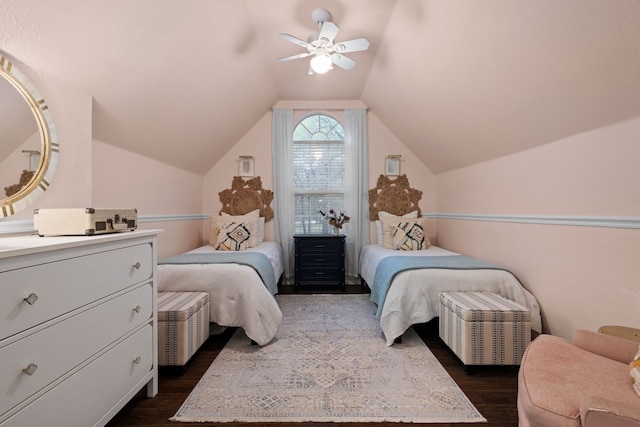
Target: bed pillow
{"points": [[635, 372], [387, 220], [225, 218], [409, 236], [234, 236], [379, 232], [260, 229]]}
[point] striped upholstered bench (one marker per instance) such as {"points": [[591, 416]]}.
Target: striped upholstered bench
{"points": [[183, 326], [483, 328]]}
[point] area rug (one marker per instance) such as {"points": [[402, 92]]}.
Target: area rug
{"points": [[328, 363]]}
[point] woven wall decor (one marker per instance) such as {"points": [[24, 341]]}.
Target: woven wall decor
{"points": [[394, 196], [245, 196], [24, 180]]}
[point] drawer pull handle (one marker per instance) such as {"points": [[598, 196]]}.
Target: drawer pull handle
{"points": [[137, 309], [137, 360], [137, 265], [319, 259], [31, 299], [319, 273], [29, 370]]}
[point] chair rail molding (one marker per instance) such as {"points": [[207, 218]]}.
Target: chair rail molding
{"points": [[569, 220], [17, 226]]}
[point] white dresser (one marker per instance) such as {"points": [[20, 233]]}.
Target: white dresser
{"points": [[78, 334]]}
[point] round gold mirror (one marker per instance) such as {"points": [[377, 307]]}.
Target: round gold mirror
{"points": [[28, 142]]}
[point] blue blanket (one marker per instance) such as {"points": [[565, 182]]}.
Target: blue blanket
{"points": [[389, 267], [258, 261]]}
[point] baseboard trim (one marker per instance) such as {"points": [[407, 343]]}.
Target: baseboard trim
{"points": [[579, 221]]}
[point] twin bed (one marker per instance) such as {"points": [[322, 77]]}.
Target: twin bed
{"points": [[406, 274], [406, 285], [241, 282]]}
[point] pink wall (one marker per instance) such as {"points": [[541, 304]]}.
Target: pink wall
{"points": [[122, 179], [583, 277], [257, 143], [95, 174]]}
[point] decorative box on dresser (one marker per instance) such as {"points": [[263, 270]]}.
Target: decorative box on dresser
{"points": [[319, 261], [78, 322]]}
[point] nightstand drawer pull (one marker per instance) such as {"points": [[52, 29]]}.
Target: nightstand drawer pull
{"points": [[137, 309], [31, 299], [29, 370], [137, 265], [137, 360]]}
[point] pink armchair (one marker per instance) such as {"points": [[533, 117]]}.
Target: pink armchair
{"points": [[581, 384]]}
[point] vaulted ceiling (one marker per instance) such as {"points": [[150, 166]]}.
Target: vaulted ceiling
{"points": [[458, 81]]}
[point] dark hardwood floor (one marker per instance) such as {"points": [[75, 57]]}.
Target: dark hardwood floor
{"points": [[491, 389]]}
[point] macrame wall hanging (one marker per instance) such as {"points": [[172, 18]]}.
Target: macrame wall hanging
{"points": [[394, 196], [245, 196]]}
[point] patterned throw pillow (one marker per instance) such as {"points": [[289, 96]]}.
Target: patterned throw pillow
{"points": [[387, 221], [409, 236], [251, 219], [635, 372], [233, 236]]}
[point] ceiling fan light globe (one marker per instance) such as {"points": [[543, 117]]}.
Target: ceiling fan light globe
{"points": [[321, 64]]}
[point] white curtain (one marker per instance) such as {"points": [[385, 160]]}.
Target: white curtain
{"points": [[356, 185], [281, 153]]}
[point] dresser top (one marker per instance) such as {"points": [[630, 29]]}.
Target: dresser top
{"points": [[33, 244]]}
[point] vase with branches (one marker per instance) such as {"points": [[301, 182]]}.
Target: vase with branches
{"points": [[335, 219]]}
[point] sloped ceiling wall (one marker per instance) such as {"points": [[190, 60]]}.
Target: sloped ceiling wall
{"points": [[458, 81]]}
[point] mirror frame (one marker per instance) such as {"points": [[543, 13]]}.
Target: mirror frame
{"points": [[49, 141]]}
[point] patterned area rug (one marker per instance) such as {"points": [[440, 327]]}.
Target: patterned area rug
{"points": [[328, 363]]}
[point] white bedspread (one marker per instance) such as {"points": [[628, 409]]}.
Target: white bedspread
{"points": [[237, 295], [413, 296]]}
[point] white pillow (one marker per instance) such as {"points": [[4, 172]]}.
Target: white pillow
{"points": [[261, 229], [409, 236], [234, 236], [379, 232], [225, 218], [387, 220]]}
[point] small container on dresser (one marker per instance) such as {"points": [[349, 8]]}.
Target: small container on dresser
{"points": [[319, 262], [78, 334]]}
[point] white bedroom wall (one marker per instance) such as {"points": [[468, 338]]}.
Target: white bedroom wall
{"points": [[583, 277]]}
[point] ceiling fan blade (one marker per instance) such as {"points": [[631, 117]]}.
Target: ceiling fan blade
{"points": [[328, 32], [296, 40], [342, 61], [300, 55], [355, 45]]}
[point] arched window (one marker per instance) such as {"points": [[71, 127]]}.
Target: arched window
{"points": [[318, 172]]}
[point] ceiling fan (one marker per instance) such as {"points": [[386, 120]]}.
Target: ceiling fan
{"points": [[323, 48]]}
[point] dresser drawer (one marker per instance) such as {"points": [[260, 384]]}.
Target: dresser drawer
{"points": [[57, 349], [62, 286], [110, 377]]}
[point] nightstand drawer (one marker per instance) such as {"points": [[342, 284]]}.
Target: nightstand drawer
{"points": [[311, 245], [318, 274], [320, 260]]}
